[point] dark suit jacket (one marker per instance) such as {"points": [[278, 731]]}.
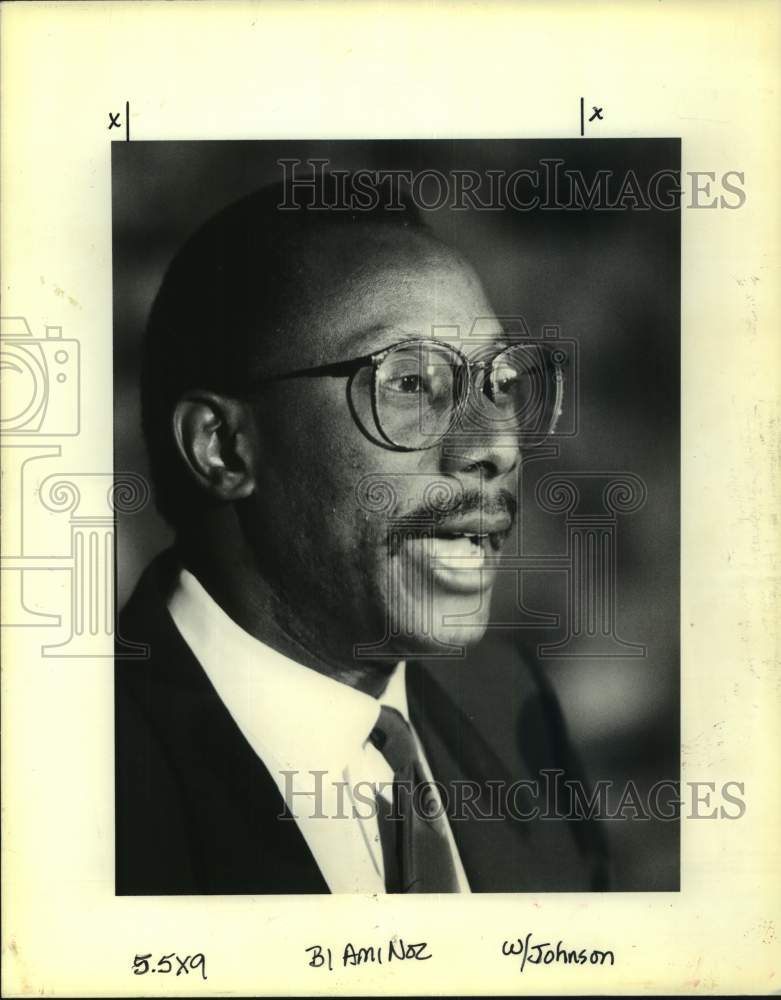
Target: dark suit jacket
{"points": [[197, 812]]}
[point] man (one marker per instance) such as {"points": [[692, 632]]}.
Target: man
{"points": [[335, 420]]}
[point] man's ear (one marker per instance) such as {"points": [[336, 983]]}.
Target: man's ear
{"points": [[215, 435]]}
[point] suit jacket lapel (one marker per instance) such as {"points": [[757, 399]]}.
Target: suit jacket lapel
{"points": [[197, 811], [187, 776], [502, 853]]}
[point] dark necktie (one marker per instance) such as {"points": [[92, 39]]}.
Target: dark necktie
{"points": [[415, 847]]}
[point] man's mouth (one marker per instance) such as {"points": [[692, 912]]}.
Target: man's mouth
{"points": [[454, 548], [455, 554]]}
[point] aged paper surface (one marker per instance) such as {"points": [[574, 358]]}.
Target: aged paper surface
{"points": [[705, 72]]}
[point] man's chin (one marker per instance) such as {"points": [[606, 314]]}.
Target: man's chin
{"points": [[440, 623], [459, 638], [449, 634]]}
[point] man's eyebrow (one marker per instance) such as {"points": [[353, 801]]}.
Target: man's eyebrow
{"points": [[375, 338], [370, 340]]}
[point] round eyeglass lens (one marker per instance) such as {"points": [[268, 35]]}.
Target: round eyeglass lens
{"points": [[522, 389], [416, 392]]}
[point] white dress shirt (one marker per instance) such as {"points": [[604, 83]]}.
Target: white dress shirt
{"points": [[309, 725]]}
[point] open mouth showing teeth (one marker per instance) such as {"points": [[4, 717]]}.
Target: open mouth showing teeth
{"points": [[464, 551], [488, 540], [457, 561]]}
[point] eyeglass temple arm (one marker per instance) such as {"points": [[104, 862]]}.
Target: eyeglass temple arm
{"points": [[340, 368], [335, 368]]}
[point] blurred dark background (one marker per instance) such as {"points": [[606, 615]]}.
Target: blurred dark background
{"points": [[611, 281]]}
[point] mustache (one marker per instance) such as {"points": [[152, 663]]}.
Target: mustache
{"points": [[436, 509]]}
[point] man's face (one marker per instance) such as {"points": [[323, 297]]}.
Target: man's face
{"points": [[366, 546]]}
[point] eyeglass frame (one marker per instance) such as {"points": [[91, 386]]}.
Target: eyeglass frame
{"points": [[351, 366]]}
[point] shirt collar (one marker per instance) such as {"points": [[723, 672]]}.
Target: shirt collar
{"points": [[301, 718]]}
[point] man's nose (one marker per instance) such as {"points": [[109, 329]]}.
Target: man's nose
{"points": [[489, 454]]}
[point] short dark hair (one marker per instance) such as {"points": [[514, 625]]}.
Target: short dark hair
{"points": [[203, 325]]}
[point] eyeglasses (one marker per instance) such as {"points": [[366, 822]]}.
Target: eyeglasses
{"points": [[423, 390]]}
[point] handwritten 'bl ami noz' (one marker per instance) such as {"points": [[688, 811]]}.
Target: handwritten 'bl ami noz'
{"points": [[396, 949]]}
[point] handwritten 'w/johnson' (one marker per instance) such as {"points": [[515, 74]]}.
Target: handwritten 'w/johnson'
{"points": [[546, 953]]}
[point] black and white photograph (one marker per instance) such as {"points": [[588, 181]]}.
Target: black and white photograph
{"points": [[403, 617], [389, 409]]}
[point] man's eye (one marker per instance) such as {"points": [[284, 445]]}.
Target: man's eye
{"points": [[506, 379], [406, 384]]}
